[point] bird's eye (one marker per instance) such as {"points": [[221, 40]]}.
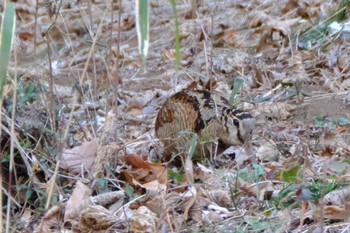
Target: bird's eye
{"points": [[236, 122]]}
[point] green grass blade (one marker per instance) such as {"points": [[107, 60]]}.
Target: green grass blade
{"points": [[236, 86], [319, 31], [340, 15], [177, 35], [192, 148], [7, 31], [142, 26]]}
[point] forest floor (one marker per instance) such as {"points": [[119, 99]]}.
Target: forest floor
{"points": [[85, 152]]}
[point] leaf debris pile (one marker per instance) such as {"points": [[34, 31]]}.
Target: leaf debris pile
{"points": [[78, 62]]}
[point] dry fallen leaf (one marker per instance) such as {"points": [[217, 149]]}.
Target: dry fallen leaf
{"points": [[211, 47], [143, 220], [289, 6], [327, 151], [140, 100], [26, 35], [267, 152], [154, 171], [74, 204], [280, 110], [97, 219], [51, 219], [337, 197], [221, 198], [203, 173], [79, 158], [188, 169], [334, 211]]}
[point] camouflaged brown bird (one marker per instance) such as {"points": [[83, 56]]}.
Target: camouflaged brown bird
{"points": [[208, 115]]}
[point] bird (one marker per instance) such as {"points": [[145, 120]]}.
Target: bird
{"points": [[203, 115]]}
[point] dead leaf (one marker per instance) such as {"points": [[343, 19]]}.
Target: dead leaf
{"points": [[79, 158], [203, 173], [26, 217], [106, 199], [189, 204], [142, 175], [334, 211], [26, 35], [280, 110], [337, 197], [328, 151], [135, 112], [140, 100], [263, 45], [192, 85], [257, 18], [143, 220], [168, 54], [210, 84], [97, 218], [76, 201], [290, 5], [154, 186], [188, 169], [344, 61], [51, 219], [83, 211], [283, 26], [221, 198], [230, 35], [211, 217], [152, 169], [156, 204], [267, 152]]}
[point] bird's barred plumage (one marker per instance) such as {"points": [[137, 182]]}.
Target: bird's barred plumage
{"points": [[208, 115]]}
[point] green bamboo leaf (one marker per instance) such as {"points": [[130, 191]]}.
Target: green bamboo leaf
{"points": [[6, 35], [142, 26]]}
